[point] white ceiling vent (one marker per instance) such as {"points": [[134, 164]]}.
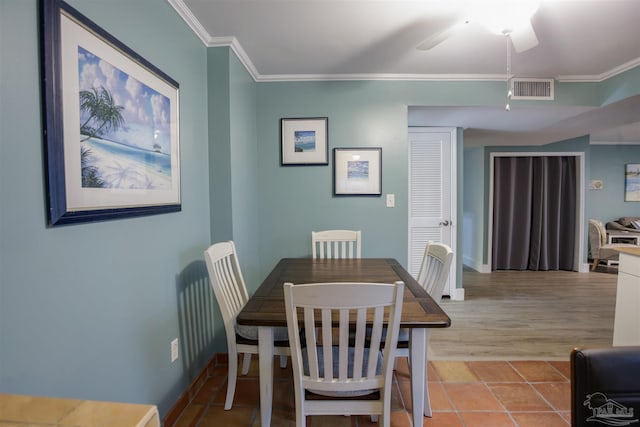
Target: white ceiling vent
{"points": [[541, 89]]}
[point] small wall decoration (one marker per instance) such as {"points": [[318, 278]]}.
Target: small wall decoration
{"points": [[357, 171], [596, 184], [632, 183], [110, 124], [304, 141]]}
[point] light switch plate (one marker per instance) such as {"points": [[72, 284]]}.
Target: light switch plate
{"points": [[391, 200], [174, 350]]}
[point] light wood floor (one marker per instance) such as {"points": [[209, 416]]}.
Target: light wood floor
{"points": [[516, 315]]}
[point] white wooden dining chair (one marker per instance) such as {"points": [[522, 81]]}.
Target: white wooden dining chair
{"points": [[432, 276], [435, 268], [350, 374], [231, 294], [336, 244]]}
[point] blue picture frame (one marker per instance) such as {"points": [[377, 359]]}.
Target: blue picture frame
{"points": [[110, 124]]}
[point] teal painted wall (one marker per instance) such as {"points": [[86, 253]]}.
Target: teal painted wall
{"points": [[608, 164], [219, 124], [233, 166], [619, 87], [88, 311], [295, 200], [473, 212], [244, 171]]}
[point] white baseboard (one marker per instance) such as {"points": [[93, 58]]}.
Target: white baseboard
{"points": [[458, 295]]}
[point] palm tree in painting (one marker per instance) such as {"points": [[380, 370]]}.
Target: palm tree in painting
{"points": [[90, 175], [103, 114]]}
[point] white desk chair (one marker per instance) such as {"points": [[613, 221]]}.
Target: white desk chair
{"points": [[433, 274], [231, 293], [336, 244], [352, 375]]}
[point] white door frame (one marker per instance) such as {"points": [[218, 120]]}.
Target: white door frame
{"points": [[579, 232]]}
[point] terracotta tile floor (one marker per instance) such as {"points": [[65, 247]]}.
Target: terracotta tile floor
{"points": [[463, 394]]}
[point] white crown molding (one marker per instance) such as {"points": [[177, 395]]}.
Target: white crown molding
{"points": [[601, 77], [242, 56], [382, 77], [185, 13], [188, 17]]}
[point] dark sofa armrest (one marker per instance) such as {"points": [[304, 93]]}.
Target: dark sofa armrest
{"points": [[605, 380]]}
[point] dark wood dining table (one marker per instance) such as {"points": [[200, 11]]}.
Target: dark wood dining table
{"points": [[265, 309]]}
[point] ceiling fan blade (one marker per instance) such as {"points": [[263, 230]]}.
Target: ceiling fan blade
{"points": [[437, 38], [524, 38]]}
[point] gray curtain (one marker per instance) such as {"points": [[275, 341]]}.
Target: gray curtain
{"points": [[534, 211]]}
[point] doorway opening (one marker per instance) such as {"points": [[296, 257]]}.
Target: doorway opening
{"points": [[576, 222]]}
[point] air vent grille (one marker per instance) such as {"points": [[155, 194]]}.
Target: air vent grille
{"points": [[532, 88]]}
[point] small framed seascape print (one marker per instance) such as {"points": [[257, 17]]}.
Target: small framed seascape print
{"points": [[304, 141], [357, 171], [632, 182]]}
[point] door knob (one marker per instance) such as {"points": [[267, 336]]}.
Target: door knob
{"points": [[445, 222]]}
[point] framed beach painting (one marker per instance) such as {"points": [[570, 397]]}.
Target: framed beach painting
{"points": [[357, 171], [304, 141], [110, 124], [632, 182]]}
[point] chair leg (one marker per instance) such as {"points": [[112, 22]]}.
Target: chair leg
{"points": [[594, 264], [427, 403], [246, 363], [283, 362], [301, 417], [231, 381], [385, 417]]}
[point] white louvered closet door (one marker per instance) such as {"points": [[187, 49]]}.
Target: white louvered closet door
{"points": [[432, 192]]}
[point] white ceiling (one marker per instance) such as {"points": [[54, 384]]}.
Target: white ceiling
{"points": [[579, 40]]}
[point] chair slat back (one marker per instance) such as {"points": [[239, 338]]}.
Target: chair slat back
{"points": [[334, 244], [227, 282], [344, 363], [435, 268]]}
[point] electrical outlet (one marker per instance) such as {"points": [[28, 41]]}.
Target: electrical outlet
{"points": [[174, 350]]}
